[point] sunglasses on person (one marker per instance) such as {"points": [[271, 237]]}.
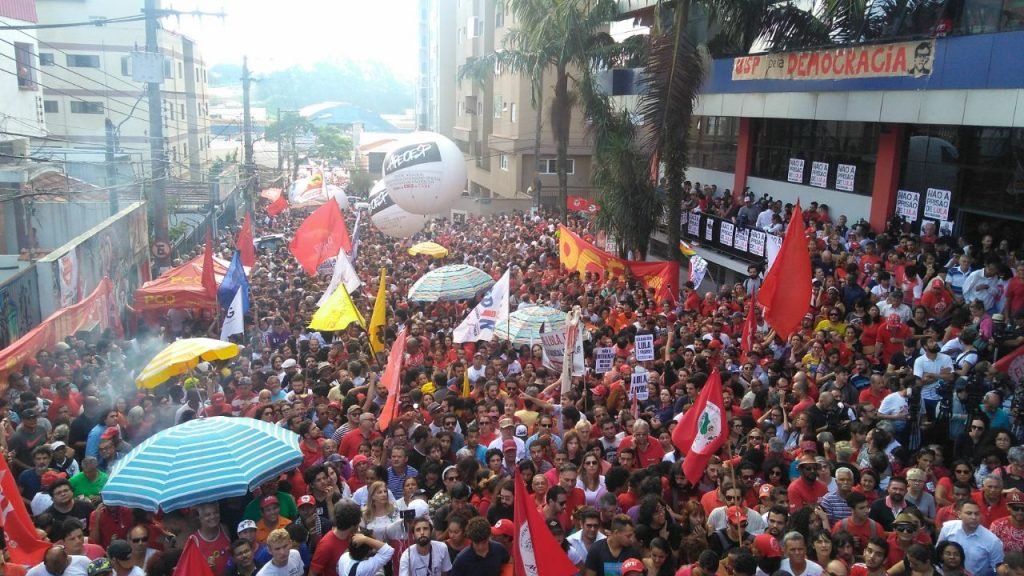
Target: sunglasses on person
{"points": [[905, 528], [1016, 508]]}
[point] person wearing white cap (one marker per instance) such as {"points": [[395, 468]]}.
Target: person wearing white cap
{"points": [[59, 460]]}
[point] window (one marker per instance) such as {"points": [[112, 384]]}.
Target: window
{"points": [[83, 61], [513, 113], [182, 107], [473, 27], [46, 59], [78, 107], [712, 142], [777, 141], [503, 162], [550, 166], [184, 150], [23, 59], [499, 15], [50, 106], [181, 69], [462, 108], [126, 65], [168, 70], [497, 106]]}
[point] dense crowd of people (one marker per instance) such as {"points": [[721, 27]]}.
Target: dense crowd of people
{"points": [[878, 439]]}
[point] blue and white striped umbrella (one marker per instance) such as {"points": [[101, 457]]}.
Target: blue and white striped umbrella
{"points": [[202, 460], [455, 282], [523, 326]]}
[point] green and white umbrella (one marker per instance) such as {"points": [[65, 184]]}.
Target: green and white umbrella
{"points": [[454, 282], [524, 325]]}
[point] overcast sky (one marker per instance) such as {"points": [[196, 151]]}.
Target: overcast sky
{"points": [[278, 34]]}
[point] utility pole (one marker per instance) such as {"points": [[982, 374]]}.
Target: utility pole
{"points": [[111, 170], [280, 151], [250, 164], [158, 156]]}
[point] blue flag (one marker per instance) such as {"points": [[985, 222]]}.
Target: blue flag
{"points": [[234, 281]]}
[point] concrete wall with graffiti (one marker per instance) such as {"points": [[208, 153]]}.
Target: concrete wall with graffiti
{"points": [[117, 247], [19, 306]]}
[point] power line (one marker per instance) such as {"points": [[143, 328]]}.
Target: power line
{"points": [[98, 22]]}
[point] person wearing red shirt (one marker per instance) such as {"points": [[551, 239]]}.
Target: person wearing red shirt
{"points": [[310, 446], [647, 452], [807, 489], [211, 538], [862, 528], [692, 301], [991, 500], [347, 516], [891, 336], [716, 498], [1011, 528], [906, 532], [63, 397], [937, 300], [875, 553], [961, 493], [1015, 293], [350, 442], [875, 392]]}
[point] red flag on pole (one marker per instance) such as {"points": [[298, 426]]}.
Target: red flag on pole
{"points": [[534, 549], [209, 280], [1013, 365], [277, 206], [749, 329], [391, 381], [320, 237], [786, 291], [703, 429], [192, 562], [246, 248], [22, 543]]}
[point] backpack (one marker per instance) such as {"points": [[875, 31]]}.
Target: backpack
{"points": [[845, 525]]}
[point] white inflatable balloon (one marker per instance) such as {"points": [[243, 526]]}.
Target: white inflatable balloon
{"points": [[389, 218], [424, 173]]}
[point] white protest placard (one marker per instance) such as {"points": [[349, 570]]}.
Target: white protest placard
{"points": [[796, 170], [771, 249], [757, 238], [603, 359], [725, 233], [693, 224], [740, 240], [936, 204], [644, 347], [553, 344], [906, 204], [638, 386], [845, 176], [698, 268], [709, 230], [819, 174]]}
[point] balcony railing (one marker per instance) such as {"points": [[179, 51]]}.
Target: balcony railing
{"points": [[721, 235]]}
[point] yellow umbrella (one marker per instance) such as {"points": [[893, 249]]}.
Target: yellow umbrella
{"points": [[182, 356], [429, 249]]}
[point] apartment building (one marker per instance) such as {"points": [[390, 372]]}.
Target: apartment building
{"points": [[86, 76], [495, 125], [435, 89]]}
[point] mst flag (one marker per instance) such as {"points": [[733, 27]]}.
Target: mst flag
{"points": [[233, 296], [22, 543], [320, 237], [786, 290], [391, 379], [277, 206], [245, 244], [703, 429], [192, 562], [534, 549], [482, 320]]}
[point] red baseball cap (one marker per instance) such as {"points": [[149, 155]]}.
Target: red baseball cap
{"points": [[632, 566], [305, 500], [767, 546], [735, 515], [109, 433], [269, 500], [503, 528], [359, 459], [509, 444]]}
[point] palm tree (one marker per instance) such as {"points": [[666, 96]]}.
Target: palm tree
{"points": [[561, 36]]}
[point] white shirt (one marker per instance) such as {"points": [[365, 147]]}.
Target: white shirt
{"points": [[367, 567], [433, 563], [977, 286], [520, 446], [576, 542], [755, 524], [812, 568], [294, 567], [77, 566], [983, 550], [893, 404]]}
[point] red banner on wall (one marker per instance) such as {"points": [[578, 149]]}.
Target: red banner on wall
{"points": [[575, 253], [96, 310]]}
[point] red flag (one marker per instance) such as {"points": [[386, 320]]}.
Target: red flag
{"points": [[1013, 365], [320, 237], [581, 204], [277, 206], [786, 291], [246, 248], [392, 380], [703, 429], [749, 329], [192, 562], [209, 281], [535, 551], [23, 544]]}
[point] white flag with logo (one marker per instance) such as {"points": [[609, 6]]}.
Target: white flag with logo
{"points": [[234, 318], [344, 273], [482, 320]]}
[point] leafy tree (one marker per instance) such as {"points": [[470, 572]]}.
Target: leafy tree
{"points": [[331, 144], [360, 183], [286, 131]]}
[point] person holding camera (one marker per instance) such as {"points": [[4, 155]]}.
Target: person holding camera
{"points": [[428, 557]]}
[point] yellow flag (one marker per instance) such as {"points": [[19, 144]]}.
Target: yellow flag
{"points": [[377, 319], [337, 313], [465, 383]]}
